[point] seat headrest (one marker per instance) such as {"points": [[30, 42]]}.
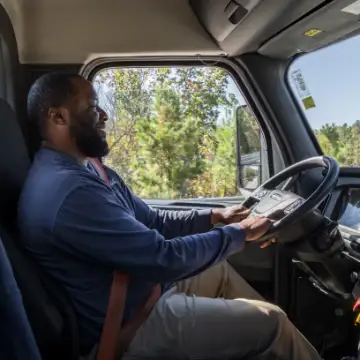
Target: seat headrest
{"points": [[14, 157], [14, 161]]}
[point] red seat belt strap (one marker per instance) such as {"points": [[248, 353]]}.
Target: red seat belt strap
{"points": [[116, 306], [100, 169], [113, 319], [128, 332]]}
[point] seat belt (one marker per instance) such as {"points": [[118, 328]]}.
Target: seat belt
{"points": [[128, 332], [114, 317], [100, 169], [115, 340]]}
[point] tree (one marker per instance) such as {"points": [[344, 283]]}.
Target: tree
{"points": [[219, 178], [169, 140], [249, 131], [169, 149], [202, 89], [127, 97], [163, 132], [341, 142]]}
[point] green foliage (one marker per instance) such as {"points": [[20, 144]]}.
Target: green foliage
{"points": [[172, 131], [164, 132], [169, 144], [341, 142], [248, 132]]}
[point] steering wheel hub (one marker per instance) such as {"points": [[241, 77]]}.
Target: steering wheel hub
{"points": [[289, 209]]}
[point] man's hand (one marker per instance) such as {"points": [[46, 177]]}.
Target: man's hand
{"points": [[255, 227], [229, 215]]}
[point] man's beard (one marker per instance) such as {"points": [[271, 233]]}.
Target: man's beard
{"points": [[89, 142]]}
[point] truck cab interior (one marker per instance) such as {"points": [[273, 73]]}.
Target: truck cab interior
{"points": [[254, 102]]}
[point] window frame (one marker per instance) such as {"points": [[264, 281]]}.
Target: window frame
{"points": [[232, 67]]}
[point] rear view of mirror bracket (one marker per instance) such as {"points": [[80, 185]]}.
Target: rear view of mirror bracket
{"points": [[248, 155]]}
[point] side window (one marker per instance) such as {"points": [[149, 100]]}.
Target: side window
{"points": [[173, 131], [326, 84]]}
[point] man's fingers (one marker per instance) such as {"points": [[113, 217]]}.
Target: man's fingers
{"points": [[263, 222], [256, 227], [267, 243], [245, 213], [239, 209]]}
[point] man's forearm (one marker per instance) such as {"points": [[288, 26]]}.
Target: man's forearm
{"points": [[181, 223]]}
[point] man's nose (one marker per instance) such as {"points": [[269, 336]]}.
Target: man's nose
{"points": [[103, 114]]}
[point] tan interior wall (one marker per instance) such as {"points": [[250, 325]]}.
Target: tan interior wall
{"points": [[15, 12], [77, 31]]}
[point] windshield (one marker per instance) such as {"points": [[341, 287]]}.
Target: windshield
{"points": [[326, 83]]}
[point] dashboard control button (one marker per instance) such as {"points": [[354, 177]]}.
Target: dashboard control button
{"points": [[293, 206], [259, 195], [276, 196]]}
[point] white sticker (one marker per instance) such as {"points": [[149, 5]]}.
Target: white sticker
{"points": [[301, 88], [353, 8]]}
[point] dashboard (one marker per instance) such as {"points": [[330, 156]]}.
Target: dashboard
{"points": [[325, 283], [337, 273]]}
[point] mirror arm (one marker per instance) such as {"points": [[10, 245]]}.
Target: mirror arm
{"points": [[248, 163], [240, 183]]}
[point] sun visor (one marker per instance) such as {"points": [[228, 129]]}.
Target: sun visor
{"points": [[240, 26], [334, 21]]}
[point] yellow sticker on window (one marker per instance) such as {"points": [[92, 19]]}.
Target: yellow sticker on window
{"points": [[308, 102], [313, 32]]}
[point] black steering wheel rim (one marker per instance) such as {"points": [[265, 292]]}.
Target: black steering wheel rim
{"points": [[328, 183]]}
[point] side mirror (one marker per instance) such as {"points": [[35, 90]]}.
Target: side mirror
{"points": [[250, 176], [248, 149]]}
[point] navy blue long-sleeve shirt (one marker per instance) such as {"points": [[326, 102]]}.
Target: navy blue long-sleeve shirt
{"points": [[80, 229]]}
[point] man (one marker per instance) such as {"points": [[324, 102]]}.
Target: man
{"points": [[80, 229]]}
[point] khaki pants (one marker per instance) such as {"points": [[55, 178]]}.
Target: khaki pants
{"points": [[209, 316]]}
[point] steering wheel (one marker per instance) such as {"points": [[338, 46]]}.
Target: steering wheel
{"points": [[294, 216]]}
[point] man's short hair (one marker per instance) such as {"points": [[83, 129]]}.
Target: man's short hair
{"points": [[50, 90]]}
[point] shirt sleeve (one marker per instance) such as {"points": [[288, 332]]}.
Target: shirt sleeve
{"points": [[172, 223], [92, 224], [169, 223]]}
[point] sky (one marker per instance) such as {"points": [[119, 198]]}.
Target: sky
{"points": [[332, 76]]}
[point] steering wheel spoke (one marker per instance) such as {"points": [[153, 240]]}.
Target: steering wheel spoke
{"points": [[290, 182]]}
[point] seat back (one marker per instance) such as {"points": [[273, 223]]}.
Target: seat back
{"points": [[49, 311], [16, 337]]}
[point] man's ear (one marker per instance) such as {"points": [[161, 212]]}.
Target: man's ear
{"points": [[59, 115]]}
